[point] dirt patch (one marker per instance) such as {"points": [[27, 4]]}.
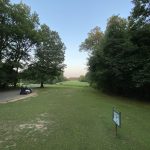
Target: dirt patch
{"points": [[40, 127], [40, 124]]}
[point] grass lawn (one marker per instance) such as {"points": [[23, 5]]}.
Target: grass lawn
{"points": [[73, 116]]}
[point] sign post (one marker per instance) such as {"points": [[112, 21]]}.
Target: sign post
{"points": [[116, 119]]}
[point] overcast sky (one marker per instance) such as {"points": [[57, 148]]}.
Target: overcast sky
{"points": [[73, 19]]}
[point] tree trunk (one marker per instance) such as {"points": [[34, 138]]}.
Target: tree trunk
{"points": [[16, 78], [15, 84], [42, 84]]}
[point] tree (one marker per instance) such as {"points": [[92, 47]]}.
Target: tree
{"points": [[18, 36], [4, 37], [83, 78], [49, 55], [140, 14], [110, 64], [118, 57], [92, 44], [5, 20], [93, 41], [23, 36], [139, 30], [7, 75], [120, 61]]}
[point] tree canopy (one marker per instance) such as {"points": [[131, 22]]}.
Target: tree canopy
{"points": [[22, 39], [120, 61], [49, 55]]}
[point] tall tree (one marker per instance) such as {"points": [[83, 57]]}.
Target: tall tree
{"points": [[49, 55], [5, 34], [92, 44], [93, 40], [23, 36], [117, 52], [120, 62], [18, 36], [139, 29], [140, 14], [5, 22], [110, 64]]}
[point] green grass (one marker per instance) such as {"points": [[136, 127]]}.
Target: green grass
{"points": [[73, 116]]}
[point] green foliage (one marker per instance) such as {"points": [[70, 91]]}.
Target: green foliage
{"points": [[139, 30], [140, 13], [7, 75], [49, 54], [49, 57], [83, 78], [23, 35], [92, 42], [119, 63], [20, 35], [115, 62], [5, 19], [56, 79]]}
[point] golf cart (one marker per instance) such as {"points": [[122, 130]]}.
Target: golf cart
{"points": [[25, 90]]}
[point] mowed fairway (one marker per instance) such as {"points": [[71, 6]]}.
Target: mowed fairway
{"points": [[73, 116]]}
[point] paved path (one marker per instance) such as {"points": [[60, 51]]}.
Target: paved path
{"points": [[7, 96]]}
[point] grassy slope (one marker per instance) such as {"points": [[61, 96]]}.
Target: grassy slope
{"points": [[72, 116]]}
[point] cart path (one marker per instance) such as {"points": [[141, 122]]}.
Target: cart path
{"points": [[14, 95]]}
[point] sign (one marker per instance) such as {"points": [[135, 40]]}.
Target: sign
{"points": [[117, 118]]}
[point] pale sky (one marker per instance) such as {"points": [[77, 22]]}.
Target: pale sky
{"points": [[73, 19]]}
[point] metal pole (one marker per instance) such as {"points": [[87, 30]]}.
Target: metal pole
{"points": [[116, 129]]}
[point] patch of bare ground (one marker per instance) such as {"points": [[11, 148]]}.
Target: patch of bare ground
{"points": [[39, 125]]}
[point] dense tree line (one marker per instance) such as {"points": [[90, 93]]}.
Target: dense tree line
{"points": [[119, 59], [26, 46]]}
